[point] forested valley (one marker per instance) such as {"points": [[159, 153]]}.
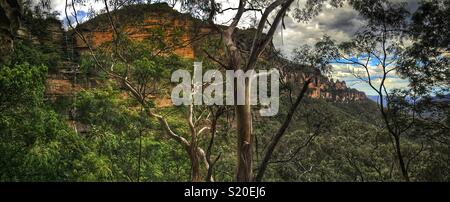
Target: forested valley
{"points": [[85, 95]]}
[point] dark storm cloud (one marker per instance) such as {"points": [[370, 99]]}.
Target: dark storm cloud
{"points": [[347, 21], [339, 23]]}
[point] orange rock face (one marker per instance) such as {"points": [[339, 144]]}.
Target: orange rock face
{"points": [[180, 34], [176, 34]]}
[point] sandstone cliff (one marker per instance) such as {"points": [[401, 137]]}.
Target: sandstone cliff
{"points": [[185, 35], [157, 22], [148, 18]]}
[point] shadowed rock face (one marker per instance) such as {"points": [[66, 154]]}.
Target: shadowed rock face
{"points": [[10, 12]]}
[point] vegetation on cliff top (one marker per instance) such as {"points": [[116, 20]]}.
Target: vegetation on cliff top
{"points": [[135, 15]]}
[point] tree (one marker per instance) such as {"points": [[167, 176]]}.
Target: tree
{"points": [[241, 58], [426, 62], [139, 71], [316, 60], [377, 47], [35, 144]]}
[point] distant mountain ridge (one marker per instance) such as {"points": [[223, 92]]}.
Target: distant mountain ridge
{"points": [[376, 99], [438, 98]]}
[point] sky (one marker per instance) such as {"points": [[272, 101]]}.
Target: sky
{"points": [[338, 23]]}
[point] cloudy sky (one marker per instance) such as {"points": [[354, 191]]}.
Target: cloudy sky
{"points": [[338, 23]]}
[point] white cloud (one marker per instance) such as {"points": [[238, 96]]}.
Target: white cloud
{"points": [[59, 5], [347, 73]]}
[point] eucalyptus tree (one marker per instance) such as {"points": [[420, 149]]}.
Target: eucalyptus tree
{"points": [[373, 56], [271, 15], [426, 63]]}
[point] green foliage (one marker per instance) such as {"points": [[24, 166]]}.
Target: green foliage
{"points": [[47, 54], [343, 142], [136, 13], [37, 45], [426, 62], [116, 140], [120, 136], [21, 86], [43, 148], [35, 144], [121, 144]]}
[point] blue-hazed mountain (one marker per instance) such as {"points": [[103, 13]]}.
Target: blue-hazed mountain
{"points": [[376, 99]]}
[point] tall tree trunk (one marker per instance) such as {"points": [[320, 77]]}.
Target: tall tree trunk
{"points": [[401, 162], [244, 134], [276, 139], [209, 162], [396, 135], [195, 164], [139, 156], [192, 148]]}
